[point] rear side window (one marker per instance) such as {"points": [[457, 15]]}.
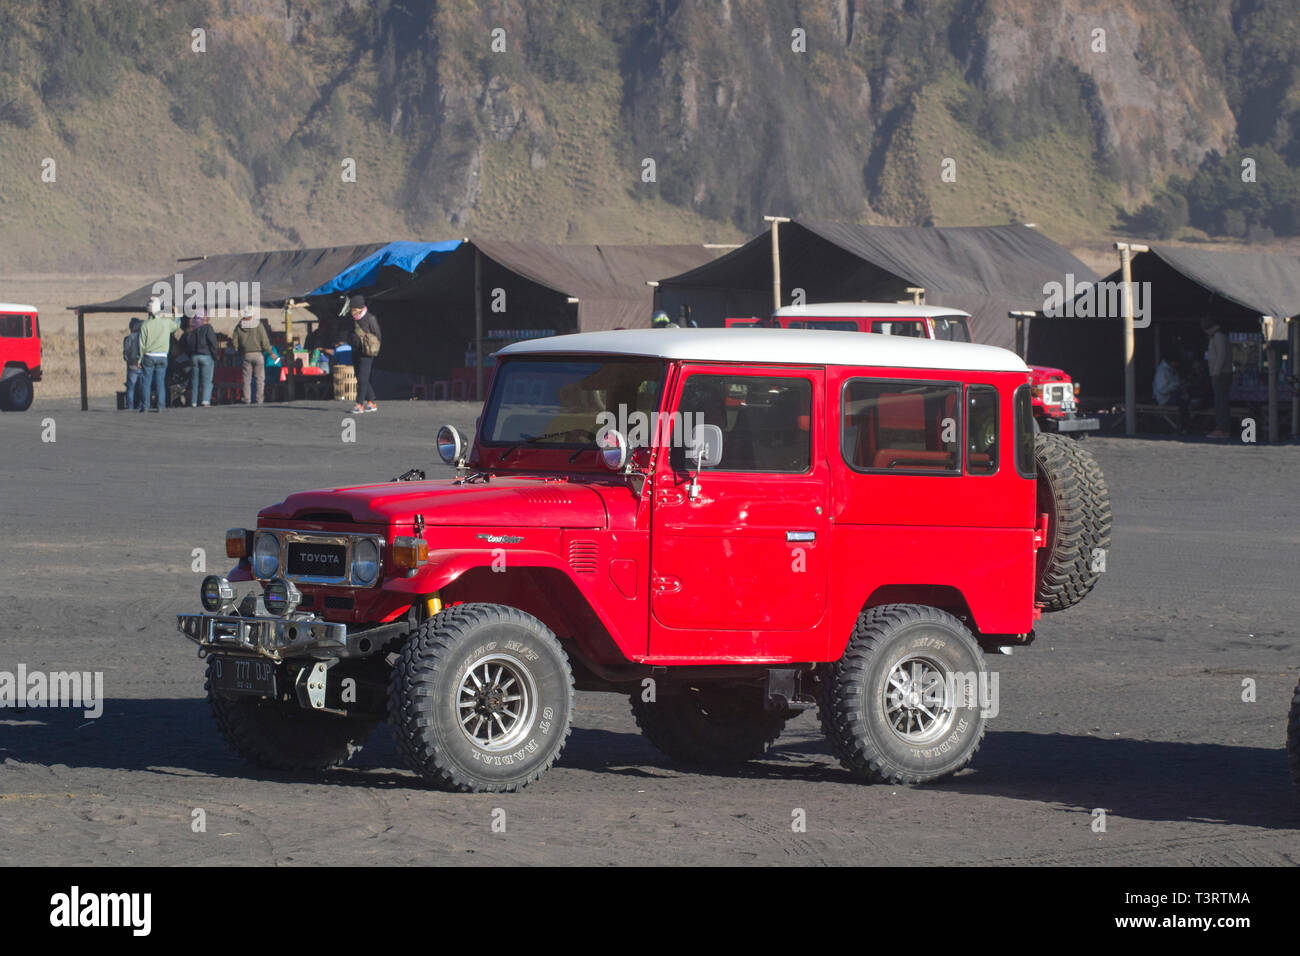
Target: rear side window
{"points": [[951, 328], [15, 326], [832, 325], [910, 328], [1025, 433], [981, 430], [902, 427]]}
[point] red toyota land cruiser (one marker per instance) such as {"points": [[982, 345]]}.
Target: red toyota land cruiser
{"points": [[1055, 397], [20, 355], [728, 526]]}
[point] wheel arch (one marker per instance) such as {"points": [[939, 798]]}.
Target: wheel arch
{"points": [[554, 598], [945, 597]]}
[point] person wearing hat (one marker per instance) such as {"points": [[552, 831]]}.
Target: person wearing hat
{"points": [[201, 346], [251, 341], [155, 343], [660, 320], [365, 341]]}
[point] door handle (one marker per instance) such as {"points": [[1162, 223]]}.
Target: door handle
{"points": [[801, 536]]}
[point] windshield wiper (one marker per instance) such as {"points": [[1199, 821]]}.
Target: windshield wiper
{"points": [[533, 439]]}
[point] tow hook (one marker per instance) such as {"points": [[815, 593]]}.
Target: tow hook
{"points": [[311, 686]]}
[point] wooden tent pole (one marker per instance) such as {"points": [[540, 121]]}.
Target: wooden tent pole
{"points": [[1295, 376], [478, 323], [776, 260], [1270, 355], [81, 357], [1126, 250]]}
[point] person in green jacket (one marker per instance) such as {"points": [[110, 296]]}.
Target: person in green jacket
{"points": [[155, 342], [252, 342]]}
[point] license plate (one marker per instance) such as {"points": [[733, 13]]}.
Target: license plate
{"points": [[237, 675]]}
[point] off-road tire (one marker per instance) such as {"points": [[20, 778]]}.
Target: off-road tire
{"points": [[280, 736], [708, 726], [1072, 493], [1293, 739], [432, 676], [17, 392], [854, 705]]}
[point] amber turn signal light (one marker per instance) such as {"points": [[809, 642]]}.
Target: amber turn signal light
{"points": [[236, 543], [410, 553]]}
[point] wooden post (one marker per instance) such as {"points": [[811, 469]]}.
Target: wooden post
{"points": [[1274, 426], [478, 322], [776, 260], [1022, 333], [287, 362], [1126, 250], [1294, 328], [81, 356]]}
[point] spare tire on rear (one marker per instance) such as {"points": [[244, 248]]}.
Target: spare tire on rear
{"points": [[1072, 493]]}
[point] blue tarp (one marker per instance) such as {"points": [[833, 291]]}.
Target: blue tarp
{"points": [[407, 256]]}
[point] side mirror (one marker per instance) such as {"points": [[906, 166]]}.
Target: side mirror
{"points": [[613, 449], [705, 453], [707, 450], [451, 446]]}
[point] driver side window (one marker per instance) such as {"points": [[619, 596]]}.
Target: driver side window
{"points": [[765, 421]]}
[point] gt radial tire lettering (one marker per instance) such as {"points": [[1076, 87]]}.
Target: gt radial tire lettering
{"points": [[529, 655], [424, 690]]}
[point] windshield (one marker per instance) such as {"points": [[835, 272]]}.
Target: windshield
{"points": [[951, 328], [566, 402]]}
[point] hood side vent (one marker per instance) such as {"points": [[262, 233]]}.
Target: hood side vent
{"points": [[545, 496], [583, 556]]}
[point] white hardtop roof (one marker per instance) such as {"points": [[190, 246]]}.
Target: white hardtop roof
{"points": [[11, 307], [777, 346], [868, 310]]}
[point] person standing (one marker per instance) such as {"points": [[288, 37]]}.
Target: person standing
{"points": [[251, 341], [365, 342], [1219, 357], [131, 355], [155, 342], [201, 344]]}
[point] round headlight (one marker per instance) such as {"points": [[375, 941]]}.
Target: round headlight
{"points": [[365, 561], [450, 445], [281, 597], [215, 592], [266, 555]]}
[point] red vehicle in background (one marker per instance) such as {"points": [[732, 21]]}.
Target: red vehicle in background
{"points": [[1055, 396], [20, 355]]}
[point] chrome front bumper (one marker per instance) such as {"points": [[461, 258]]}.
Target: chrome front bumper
{"points": [[274, 638]]}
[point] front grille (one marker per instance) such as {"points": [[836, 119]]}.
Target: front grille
{"points": [[308, 559], [339, 603]]}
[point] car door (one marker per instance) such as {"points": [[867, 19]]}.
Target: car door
{"points": [[747, 552]]}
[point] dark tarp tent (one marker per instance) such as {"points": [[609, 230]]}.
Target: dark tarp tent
{"points": [[286, 274], [526, 289], [984, 270], [315, 277], [1186, 285]]}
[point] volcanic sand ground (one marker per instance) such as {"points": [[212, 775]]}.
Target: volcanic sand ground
{"points": [[1132, 702]]}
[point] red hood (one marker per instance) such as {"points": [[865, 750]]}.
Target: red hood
{"points": [[1044, 373], [508, 502]]}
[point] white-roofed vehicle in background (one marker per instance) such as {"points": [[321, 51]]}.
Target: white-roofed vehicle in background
{"points": [[1056, 406]]}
